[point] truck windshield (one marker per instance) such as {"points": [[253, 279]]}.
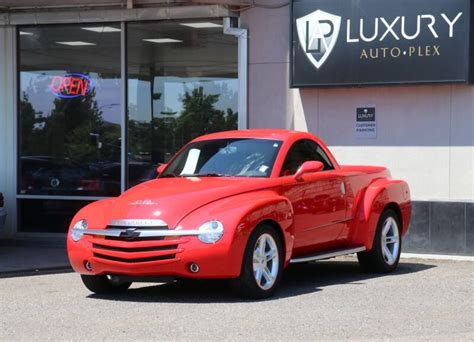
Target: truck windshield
{"points": [[225, 158]]}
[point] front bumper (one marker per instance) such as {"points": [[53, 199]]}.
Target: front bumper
{"points": [[153, 252]]}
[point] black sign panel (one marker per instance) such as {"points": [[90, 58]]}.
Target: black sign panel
{"points": [[365, 114], [356, 42]]}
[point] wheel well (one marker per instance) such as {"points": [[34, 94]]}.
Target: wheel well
{"points": [[278, 230], [396, 209]]}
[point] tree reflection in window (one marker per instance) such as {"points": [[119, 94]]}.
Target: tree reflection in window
{"points": [[171, 131], [72, 146]]}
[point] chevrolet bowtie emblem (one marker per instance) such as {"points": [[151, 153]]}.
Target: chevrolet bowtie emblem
{"points": [[130, 233]]}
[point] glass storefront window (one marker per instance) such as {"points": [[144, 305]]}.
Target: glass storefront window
{"points": [[47, 216], [69, 110], [182, 83]]}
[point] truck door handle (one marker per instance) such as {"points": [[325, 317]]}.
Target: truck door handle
{"points": [[343, 188]]}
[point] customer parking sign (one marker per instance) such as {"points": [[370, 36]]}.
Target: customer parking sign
{"points": [[365, 125]]}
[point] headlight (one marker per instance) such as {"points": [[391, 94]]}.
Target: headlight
{"points": [[76, 232], [211, 231]]}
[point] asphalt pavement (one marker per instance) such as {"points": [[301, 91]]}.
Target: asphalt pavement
{"points": [[329, 300]]}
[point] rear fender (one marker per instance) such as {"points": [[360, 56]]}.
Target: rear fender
{"points": [[371, 203]]}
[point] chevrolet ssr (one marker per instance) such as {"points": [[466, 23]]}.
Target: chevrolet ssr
{"points": [[241, 205]]}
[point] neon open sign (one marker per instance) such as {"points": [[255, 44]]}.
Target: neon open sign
{"points": [[71, 85]]}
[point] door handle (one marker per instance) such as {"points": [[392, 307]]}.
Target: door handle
{"points": [[343, 188]]}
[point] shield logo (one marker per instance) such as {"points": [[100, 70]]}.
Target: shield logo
{"points": [[318, 33]]}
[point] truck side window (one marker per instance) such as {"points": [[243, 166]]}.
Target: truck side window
{"points": [[302, 151]]}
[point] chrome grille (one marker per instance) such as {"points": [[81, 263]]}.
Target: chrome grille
{"points": [[126, 238], [130, 248], [136, 260]]}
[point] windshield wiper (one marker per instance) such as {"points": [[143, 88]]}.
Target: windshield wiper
{"points": [[169, 175], [211, 174]]}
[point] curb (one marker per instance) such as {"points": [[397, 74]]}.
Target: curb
{"points": [[36, 271], [437, 257]]}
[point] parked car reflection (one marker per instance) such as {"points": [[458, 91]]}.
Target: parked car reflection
{"points": [[44, 175]]}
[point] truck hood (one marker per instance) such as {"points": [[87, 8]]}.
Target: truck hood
{"points": [[170, 199]]}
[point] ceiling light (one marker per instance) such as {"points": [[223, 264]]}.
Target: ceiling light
{"points": [[201, 25], [101, 29], [163, 40], [75, 43], [24, 33]]}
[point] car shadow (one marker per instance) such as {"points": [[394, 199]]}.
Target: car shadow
{"points": [[297, 280]]}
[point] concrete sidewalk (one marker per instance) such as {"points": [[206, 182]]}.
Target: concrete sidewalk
{"points": [[28, 256]]}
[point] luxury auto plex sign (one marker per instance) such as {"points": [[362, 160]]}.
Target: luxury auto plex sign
{"points": [[351, 42]]}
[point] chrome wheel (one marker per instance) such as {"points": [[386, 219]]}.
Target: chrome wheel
{"points": [[265, 261], [390, 240]]}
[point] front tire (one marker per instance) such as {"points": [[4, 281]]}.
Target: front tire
{"points": [[262, 265], [387, 246], [103, 284]]}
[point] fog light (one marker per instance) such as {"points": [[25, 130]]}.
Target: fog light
{"points": [[88, 265], [194, 268]]}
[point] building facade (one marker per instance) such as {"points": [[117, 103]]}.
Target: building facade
{"points": [[93, 99]]}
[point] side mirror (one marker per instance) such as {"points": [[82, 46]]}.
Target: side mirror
{"points": [[161, 168], [308, 167]]}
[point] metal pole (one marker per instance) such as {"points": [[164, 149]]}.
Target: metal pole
{"points": [[124, 104], [242, 35]]}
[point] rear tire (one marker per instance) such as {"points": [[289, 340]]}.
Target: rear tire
{"points": [[262, 265], [387, 246], [103, 285]]}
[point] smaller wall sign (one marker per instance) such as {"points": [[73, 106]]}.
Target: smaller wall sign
{"points": [[71, 85], [365, 125]]}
